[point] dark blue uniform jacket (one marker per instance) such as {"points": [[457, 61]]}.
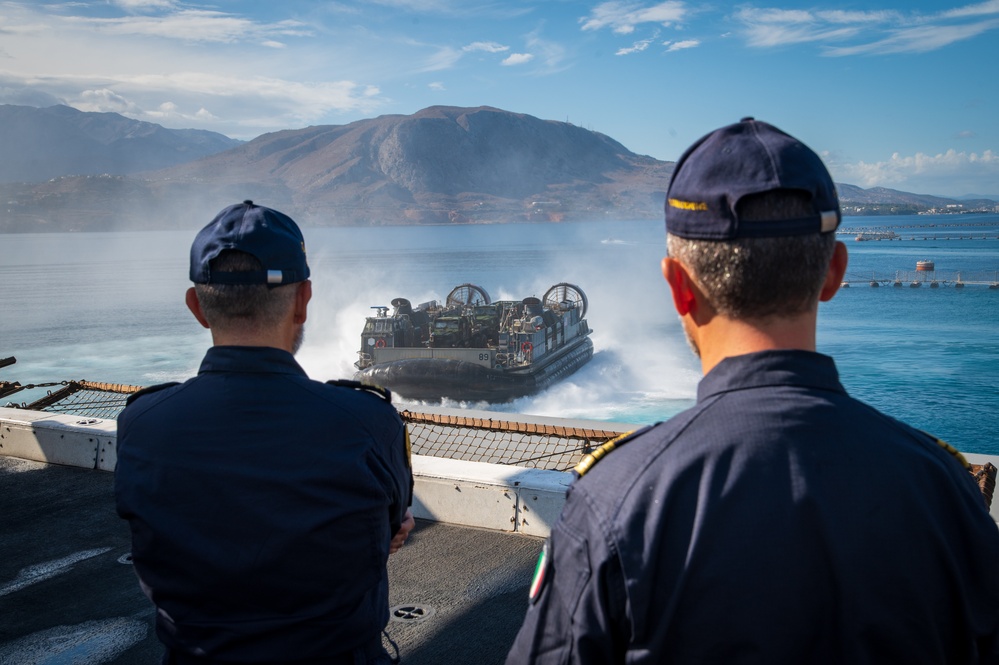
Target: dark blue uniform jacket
{"points": [[261, 505], [777, 521]]}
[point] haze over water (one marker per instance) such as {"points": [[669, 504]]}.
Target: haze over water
{"points": [[109, 307]]}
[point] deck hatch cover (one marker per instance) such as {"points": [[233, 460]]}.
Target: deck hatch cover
{"points": [[410, 613]]}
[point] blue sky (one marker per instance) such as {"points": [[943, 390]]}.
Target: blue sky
{"points": [[890, 93]]}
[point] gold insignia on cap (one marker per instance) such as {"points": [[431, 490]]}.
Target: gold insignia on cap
{"points": [[687, 205]]}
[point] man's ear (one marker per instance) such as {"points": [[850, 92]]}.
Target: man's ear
{"points": [[191, 298], [303, 294], [682, 286], [834, 276]]}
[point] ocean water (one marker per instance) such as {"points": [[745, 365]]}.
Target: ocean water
{"points": [[110, 307]]}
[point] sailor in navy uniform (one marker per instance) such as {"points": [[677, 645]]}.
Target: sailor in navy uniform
{"points": [[263, 505], [779, 520]]}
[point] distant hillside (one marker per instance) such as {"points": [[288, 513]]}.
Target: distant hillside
{"points": [[40, 144], [440, 165], [882, 201], [979, 197]]}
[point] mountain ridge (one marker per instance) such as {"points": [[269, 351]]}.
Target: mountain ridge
{"points": [[440, 165], [44, 143]]}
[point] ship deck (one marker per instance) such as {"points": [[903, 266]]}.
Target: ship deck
{"points": [[69, 595], [488, 487], [486, 493]]}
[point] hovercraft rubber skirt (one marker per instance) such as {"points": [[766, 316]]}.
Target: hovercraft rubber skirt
{"points": [[436, 378]]}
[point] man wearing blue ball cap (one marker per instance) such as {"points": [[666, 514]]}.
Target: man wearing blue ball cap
{"points": [[778, 520], [263, 505]]}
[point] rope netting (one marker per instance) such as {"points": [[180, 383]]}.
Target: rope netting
{"points": [[473, 439], [532, 445], [78, 398]]}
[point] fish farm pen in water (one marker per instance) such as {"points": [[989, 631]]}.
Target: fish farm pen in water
{"points": [[930, 278], [940, 231]]}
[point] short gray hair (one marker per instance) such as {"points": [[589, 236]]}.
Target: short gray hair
{"points": [[760, 278], [242, 305]]}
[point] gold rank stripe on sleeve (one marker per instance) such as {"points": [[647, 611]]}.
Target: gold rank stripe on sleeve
{"points": [[983, 474], [587, 462], [384, 393], [951, 449]]}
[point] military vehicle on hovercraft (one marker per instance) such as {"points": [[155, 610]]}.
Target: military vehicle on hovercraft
{"points": [[473, 349]]}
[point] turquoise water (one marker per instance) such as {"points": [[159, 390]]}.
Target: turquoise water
{"points": [[929, 356], [109, 307]]}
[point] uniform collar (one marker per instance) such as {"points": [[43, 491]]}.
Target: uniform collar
{"points": [[255, 359], [771, 368]]}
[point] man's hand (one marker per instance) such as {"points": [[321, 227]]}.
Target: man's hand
{"points": [[400, 537]]}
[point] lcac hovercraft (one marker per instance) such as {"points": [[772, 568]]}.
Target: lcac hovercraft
{"points": [[473, 349]]}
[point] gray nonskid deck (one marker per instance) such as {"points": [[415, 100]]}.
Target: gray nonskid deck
{"points": [[69, 595]]}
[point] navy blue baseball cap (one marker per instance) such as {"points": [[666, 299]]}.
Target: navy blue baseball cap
{"points": [[749, 157], [271, 236]]}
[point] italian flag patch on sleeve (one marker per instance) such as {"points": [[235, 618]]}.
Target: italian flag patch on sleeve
{"points": [[540, 573]]}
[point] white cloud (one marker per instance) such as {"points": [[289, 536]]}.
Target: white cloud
{"points": [[951, 173], [517, 59], [637, 47], [276, 103], [551, 55], [457, 8], [133, 5], [623, 17], [444, 57], [842, 16], [167, 66], [679, 46], [417, 6], [777, 27], [168, 110], [774, 16], [436, 85], [981, 9], [191, 25], [919, 39], [844, 33], [488, 47], [104, 100]]}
